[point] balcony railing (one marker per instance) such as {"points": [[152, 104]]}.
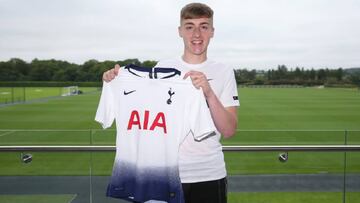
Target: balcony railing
{"points": [[74, 166], [238, 148]]}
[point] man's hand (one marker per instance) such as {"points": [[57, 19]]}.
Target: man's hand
{"points": [[199, 79], [225, 119], [111, 74]]}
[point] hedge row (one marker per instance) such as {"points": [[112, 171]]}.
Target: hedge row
{"points": [[49, 84], [281, 82]]}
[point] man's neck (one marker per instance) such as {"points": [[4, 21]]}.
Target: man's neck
{"points": [[194, 59]]}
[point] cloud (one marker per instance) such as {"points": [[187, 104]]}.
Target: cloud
{"points": [[255, 34]]}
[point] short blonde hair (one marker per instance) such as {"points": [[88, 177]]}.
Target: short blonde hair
{"points": [[196, 10]]}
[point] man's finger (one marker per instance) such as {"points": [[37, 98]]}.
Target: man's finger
{"points": [[186, 75], [116, 69], [106, 76], [190, 73]]}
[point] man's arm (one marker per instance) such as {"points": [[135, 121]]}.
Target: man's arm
{"points": [[111, 74], [225, 119]]}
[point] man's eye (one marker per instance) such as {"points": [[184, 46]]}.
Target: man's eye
{"points": [[189, 28], [205, 27]]}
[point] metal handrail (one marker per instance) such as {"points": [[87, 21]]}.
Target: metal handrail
{"points": [[237, 130], [233, 148]]}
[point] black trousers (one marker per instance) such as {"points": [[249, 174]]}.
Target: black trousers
{"points": [[206, 192]]}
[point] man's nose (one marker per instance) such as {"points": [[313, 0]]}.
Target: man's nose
{"points": [[197, 32]]}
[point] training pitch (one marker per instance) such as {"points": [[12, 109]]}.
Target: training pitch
{"points": [[267, 116]]}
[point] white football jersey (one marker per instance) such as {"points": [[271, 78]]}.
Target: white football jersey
{"points": [[153, 117]]}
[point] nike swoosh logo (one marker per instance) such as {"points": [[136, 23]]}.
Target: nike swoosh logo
{"points": [[209, 79], [126, 93]]}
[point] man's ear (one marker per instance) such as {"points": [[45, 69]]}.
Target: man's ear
{"points": [[179, 31]]}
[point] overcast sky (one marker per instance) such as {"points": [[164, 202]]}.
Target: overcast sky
{"points": [[254, 34]]}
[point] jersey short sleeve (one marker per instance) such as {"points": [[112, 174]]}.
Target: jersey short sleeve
{"points": [[105, 113], [229, 96]]}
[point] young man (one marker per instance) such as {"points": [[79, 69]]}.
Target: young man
{"points": [[201, 164]]}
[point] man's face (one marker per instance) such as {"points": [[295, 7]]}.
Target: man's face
{"points": [[196, 34]]}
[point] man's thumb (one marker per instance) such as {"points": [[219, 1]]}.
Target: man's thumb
{"points": [[116, 69]]}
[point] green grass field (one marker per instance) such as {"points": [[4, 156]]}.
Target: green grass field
{"points": [[66, 198], [267, 116], [261, 109], [292, 197], [20, 94], [299, 108]]}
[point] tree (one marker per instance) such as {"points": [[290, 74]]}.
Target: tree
{"points": [[20, 67], [339, 74], [321, 75], [129, 61], [13, 70], [298, 75], [40, 70], [282, 72], [312, 74], [86, 71], [244, 76], [148, 63], [355, 78], [6, 72]]}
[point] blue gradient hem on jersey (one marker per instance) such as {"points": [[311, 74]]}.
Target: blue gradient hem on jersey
{"points": [[143, 184]]}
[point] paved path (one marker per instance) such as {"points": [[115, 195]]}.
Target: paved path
{"points": [[81, 185]]}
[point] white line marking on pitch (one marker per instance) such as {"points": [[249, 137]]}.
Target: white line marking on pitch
{"points": [[6, 133], [75, 195]]}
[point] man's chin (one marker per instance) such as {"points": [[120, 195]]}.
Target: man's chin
{"points": [[198, 51]]}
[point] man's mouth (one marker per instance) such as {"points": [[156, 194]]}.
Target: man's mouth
{"points": [[196, 42]]}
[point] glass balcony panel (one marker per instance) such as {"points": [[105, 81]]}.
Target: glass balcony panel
{"points": [[102, 164], [45, 137], [306, 176], [253, 176], [45, 177], [104, 137], [286, 137], [352, 178]]}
